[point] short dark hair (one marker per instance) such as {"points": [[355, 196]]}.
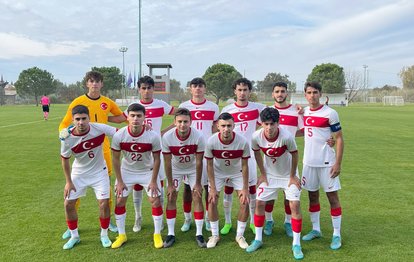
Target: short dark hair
{"points": [[281, 84], [269, 114], [182, 112], [80, 109], [145, 80], [243, 81], [313, 84], [225, 116], [135, 107], [93, 75], [197, 81]]}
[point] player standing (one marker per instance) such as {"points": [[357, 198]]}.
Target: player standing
{"points": [[292, 121], [100, 107], [88, 170], [140, 165], [227, 153], [204, 115], [155, 109], [278, 172], [45, 102], [246, 118], [321, 164], [183, 150]]}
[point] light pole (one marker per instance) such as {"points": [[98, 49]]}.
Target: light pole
{"points": [[139, 41], [365, 81], [123, 50]]}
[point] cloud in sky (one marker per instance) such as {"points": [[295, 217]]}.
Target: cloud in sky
{"points": [[67, 38]]}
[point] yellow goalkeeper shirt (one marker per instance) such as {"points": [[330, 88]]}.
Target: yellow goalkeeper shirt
{"points": [[99, 110]]}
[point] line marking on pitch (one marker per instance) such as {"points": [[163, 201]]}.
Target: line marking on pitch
{"points": [[27, 123]]}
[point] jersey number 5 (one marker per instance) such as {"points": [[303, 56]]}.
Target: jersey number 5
{"points": [[310, 133]]}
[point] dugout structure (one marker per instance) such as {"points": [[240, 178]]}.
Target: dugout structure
{"points": [[162, 81], [393, 101]]}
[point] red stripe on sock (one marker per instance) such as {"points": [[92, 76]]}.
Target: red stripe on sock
{"points": [[259, 220], [296, 225], [252, 189], [138, 187], [269, 208], [199, 215], [315, 208], [287, 209], [120, 210], [228, 190], [187, 207], [157, 211], [171, 213], [104, 222], [162, 183], [72, 224], [336, 211]]}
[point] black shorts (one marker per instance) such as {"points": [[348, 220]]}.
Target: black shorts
{"points": [[45, 108]]}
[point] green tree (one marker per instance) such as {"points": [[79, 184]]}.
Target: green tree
{"points": [[219, 79], [407, 77], [113, 79], [35, 82], [330, 76], [266, 86], [177, 93], [67, 93]]}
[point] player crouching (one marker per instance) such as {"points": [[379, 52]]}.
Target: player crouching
{"points": [[227, 153], [140, 165], [88, 170], [278, 172], [183, 150]]}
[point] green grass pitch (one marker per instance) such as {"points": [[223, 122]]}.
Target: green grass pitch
{"points": [[377, 198]]}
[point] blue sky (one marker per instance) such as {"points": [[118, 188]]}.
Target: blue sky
{"points": [[67, 38]]}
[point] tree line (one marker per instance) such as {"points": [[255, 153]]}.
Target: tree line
{"points": [[35, 82]]}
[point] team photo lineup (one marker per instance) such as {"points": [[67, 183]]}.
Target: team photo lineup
{"points": [[245, 149]]}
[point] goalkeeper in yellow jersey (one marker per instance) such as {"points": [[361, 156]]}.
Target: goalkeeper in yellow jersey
{"points": [[101, 110]]}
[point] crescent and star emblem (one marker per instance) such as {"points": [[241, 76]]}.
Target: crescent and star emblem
{"points": [[197, 115], [85, 145], [225, 154], [180, 151], [307, 121], [133, 147]]}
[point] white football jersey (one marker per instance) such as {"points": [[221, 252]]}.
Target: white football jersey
{"points": [[184, 150], [290, 119], [246, 118], [277, 152], [137, 150], [154, 111], [227, 157], [87, 149], [319, 124], [203, 115]]}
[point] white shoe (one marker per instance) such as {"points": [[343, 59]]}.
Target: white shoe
{"points": [[242, 242], [212, 241], [137, 225]]}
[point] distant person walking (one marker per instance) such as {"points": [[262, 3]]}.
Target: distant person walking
{"points": [[45, 101]]}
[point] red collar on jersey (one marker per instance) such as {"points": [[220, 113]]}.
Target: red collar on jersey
{"points": [[195, 103], [142, 102]]}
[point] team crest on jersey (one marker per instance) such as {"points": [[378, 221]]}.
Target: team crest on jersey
{"points": [[104, 106]]}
